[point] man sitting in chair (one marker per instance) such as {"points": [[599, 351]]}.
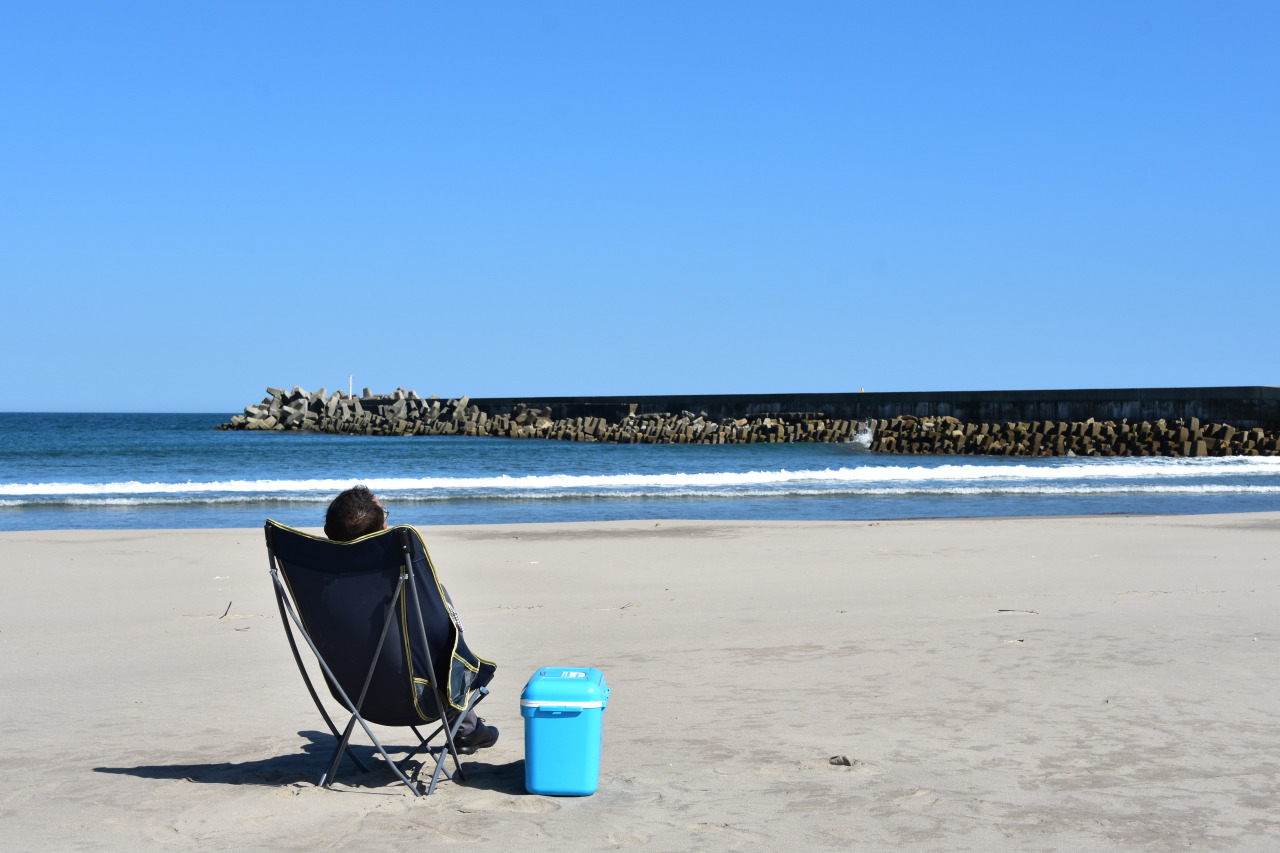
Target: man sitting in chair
{"points": [[355, 513]]}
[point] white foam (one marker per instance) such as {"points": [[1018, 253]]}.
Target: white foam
{"points": [[1090, 470], [849, 491], [862, 436]]}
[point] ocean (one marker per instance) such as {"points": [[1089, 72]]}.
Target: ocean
{"points": [[97, 471]]}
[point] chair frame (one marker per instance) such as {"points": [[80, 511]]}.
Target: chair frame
{"points": [[288, 613]]}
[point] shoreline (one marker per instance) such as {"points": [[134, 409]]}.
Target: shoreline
{"points": [[1020, 683], [763, 522], [429, 525]]}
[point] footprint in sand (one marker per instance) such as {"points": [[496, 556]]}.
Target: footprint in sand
{"points": [[724, 828], [454, 835], [519, 805], [865, 768], [921, 797], [531, 805], [622, 838]]}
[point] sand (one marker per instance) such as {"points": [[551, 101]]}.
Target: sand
{"points": [[1020, 684]]}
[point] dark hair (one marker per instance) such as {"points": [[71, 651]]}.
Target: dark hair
{"points": [[353, 514]]}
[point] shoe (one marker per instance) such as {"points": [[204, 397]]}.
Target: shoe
{"points": [[481, 737]]}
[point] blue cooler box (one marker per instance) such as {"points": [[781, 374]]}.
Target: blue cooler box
{"points": [[563, 708]]}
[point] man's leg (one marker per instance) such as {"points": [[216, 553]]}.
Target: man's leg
{"points": [[468, 724], [473, 733]]}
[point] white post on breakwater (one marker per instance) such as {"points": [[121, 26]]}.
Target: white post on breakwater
{"points": [[350, 383]]}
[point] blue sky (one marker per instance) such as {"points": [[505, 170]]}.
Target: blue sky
{"points": [[495, 199]]}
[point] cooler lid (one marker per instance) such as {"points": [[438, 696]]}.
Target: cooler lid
{"points": [[566, 687]]}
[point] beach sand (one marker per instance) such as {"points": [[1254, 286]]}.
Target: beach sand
{"points": [[996, 684]]}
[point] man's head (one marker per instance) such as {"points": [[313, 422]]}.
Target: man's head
{"points": [[354, 513]]}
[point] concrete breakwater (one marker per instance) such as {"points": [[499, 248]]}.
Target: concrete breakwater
{"points": [[909, 434], [406, 413]]}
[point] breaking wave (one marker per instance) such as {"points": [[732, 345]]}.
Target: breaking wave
{"points": [[1147, 477], [1148, 472]]}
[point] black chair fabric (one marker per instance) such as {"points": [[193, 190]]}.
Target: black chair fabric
{"points": [[343, 592]]}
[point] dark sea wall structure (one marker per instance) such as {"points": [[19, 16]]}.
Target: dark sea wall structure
{"points": [[1127, 422], [1241, 406]]}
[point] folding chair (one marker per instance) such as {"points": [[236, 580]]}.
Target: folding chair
{"points": [[376, 617]]}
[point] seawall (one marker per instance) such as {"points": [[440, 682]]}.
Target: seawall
{"points": [[1159, 422], [1244, 407]]}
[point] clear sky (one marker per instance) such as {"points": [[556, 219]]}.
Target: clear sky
{"points": [[198, 200]]}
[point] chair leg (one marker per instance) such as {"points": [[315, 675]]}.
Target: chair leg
{"points": [[450, 748], [327, 779], [433, 752], [445, 752], [422, 744]]}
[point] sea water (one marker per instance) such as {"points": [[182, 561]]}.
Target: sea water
{"points": [[175, 471]]}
